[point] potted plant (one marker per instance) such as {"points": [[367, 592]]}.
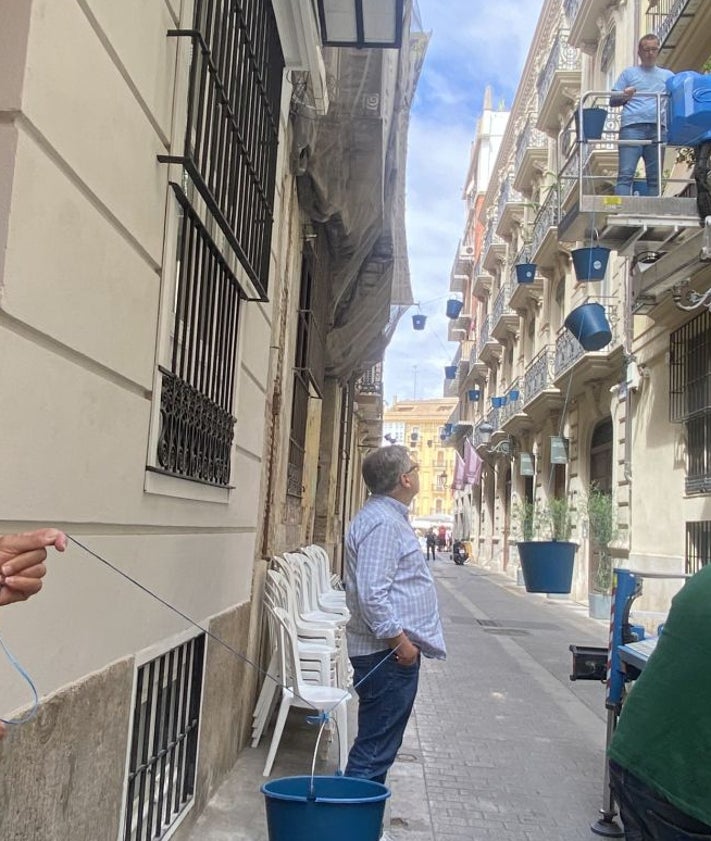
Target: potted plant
{"points": [[602, 529], [546, 552]]}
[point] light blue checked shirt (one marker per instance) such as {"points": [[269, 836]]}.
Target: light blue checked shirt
{"points": [[389, 587]]}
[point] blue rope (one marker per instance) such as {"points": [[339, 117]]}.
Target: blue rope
{"points": [[28, 716]]}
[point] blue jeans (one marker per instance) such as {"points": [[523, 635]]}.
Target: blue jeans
{"points": [[647, 816], [385, 703], [629, 158]]}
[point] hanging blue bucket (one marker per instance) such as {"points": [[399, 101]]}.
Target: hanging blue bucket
{"points": [[590, 263], [454, 307], [448, 427], [419, 321], [450, 371], [498, 402], [346, 808], [593, 123], [473, 394], [588, 323], [525, 272], [547, 565], [514, 394]]}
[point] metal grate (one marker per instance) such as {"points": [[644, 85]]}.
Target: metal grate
{"points": [[698, 454], [690, 368], [232, 126], [698, 545], [197, 425], [162, 758]]}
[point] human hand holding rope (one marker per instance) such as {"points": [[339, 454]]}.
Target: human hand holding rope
{"points": [[22, 565]]}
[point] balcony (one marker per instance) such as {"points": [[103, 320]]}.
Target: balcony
{"points": [[524, 294], [540, 395], [572, 359], [370, 384], [478, 371], [458, 328], [510, 208], [488, 348], [582, 16], [504, 320], [531, 156], [558, 83], [462, 268], [682, 26], [481, 282], [544, 239], [493, 250]]}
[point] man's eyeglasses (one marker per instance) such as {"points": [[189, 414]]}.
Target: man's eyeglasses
{"points": [[413, 468], [649, 49]]}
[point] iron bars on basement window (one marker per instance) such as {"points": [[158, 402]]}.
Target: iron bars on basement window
{"points": [[233, 123], [164, 739]]}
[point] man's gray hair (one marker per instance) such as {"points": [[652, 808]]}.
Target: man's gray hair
{"points": [[650, 36], [383, 468]]}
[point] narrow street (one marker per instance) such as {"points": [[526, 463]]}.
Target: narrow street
{"points": [[502, 746]]}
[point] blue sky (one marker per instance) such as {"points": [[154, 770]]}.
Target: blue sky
{"points": [[473, 45]]}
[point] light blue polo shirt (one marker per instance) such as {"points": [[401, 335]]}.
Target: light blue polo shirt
{"points": [[643, 109]]}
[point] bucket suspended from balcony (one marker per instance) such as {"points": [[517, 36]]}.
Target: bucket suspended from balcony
{"points": [[419, 321], [590, 263], [525, 272], [498, 402], [473, 394], [450, 372], [588, 323], [593, 123], [454, 307]]}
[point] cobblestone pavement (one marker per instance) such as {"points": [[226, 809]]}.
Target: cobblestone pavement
{"points": [[502, 745]]}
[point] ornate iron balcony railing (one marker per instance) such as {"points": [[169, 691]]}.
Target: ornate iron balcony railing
{"points": [[501, 304], [530, 138], [546, 218], [539, 374], [483, 334], [562, 57], [662, 17]]}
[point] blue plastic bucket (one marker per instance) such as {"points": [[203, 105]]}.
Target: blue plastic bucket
{"points": [[590, 263], [588, 323], [593, 123], [450, 371], [525, 272], [473, 394], [547, 565], [514, 394], [454, 307], [345, 808], [419, 321]]}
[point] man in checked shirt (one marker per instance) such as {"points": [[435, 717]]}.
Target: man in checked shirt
{"points": [[391, 595]]}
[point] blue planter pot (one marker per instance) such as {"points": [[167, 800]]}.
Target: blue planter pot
{"points": [[547, 565], [590, 263], [525, 272], [593, 123], [450, 371], [454, 307], [588, 323], [474, 394], [419, 321]]}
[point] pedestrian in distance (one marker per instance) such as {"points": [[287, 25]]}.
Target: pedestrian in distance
{"points": [[431, 542], [640, 117], [391, 595], [22, 567], [660, 771]]}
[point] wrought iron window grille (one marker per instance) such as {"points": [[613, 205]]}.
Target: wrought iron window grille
{"points": [[698, 545], [164, 739], [232, 124]]}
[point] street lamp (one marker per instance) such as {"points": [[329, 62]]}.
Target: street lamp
{"points": [[361, 23]]}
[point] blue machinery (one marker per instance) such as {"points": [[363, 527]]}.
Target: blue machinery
{"points": [[626, 656]]}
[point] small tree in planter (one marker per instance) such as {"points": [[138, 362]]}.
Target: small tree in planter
{"points": [[603, 530], [546, 553]]}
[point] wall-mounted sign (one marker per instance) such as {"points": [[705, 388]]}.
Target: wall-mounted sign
{"points": [[559, 450], [526, 464]]}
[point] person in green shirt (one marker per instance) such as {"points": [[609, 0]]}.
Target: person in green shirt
{"points": [[660, 754]]}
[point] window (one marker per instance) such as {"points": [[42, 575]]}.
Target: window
{"points": [[309, 362], [690, 396], [225, 200], [164, 739], [698, 545]]}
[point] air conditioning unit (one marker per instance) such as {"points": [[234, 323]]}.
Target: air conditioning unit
{"points": [[466, 252]]}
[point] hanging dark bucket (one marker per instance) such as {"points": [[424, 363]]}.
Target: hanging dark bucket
{"points": [[473, 394], [547, 565], [346, 808], [448, 427], [419, 321], [525, 272], [588, 323], [498, 402], [593, 123], [514, 394], [590, 263], [450, 371], [454, 307]]}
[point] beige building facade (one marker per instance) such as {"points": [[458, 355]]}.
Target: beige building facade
{"points": [[626, 418], [193, 312]]}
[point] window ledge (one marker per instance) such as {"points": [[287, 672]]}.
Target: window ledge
{"points": [[162, 485]]}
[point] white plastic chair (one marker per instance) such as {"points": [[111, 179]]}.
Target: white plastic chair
{"points": [[297, 693], [322, 597]]}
